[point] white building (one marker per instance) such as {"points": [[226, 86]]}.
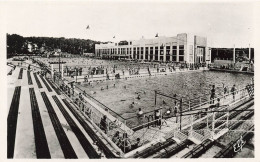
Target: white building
{"points": [[181, 48]]}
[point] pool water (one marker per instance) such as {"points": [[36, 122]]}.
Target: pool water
{"points": [[189, 85]]}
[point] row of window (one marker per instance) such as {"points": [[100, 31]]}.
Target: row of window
{"points": [[140, 50], [160, 58]]}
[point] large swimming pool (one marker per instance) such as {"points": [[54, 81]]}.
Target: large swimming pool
{"points": [[189, 85]]}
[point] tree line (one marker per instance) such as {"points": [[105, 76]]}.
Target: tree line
{"points": [[17, 44]]}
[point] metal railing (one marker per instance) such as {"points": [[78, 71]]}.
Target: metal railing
{"points": [[145, 127]]}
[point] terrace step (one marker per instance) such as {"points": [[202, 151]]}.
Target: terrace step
{"points": [[29, 78], [20, 76], [46, 84], [89, 149], [37, 81], [87, 128], [199, 149], [42, 149], [12, 122], [173, 150], [53, 86], [197, 138], [65, 144]]}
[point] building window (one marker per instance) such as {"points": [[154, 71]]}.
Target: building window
{"points": [[161, 50], [130, 43], [156, 53], [181, 53], [146, 52], [151, 53], [119, 52], [138, 52], [174, 53], [134, 55], [168, 50]]}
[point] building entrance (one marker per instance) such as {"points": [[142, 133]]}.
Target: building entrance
{"points": [[200, 55]]}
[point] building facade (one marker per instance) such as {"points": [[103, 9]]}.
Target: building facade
{"points": [[181, 48]]}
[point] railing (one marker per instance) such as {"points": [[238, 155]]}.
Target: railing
{"points": [[146, 127], [179, 135]]}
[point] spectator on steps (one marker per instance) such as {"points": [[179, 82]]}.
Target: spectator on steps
{"points": [[116, 138], [125, 144], [137, 144], [103, 124]]}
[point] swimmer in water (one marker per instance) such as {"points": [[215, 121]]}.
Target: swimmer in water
{"points": [[164, 102], [131, 105], [139, 97]]}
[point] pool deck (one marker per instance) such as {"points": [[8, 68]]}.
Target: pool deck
{"points": [[231, 71], [126, 75]]}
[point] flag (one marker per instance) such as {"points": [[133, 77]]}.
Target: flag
{"points": [[114, 36], [87, 27], [156, 35]]}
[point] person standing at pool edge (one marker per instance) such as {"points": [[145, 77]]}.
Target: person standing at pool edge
{"points": [[233, 90], [212, 96], [157, 117], [140, 116]]}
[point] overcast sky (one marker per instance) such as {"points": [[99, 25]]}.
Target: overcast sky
{"points": [[224, 24]]}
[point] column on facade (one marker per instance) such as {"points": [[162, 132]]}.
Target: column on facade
{"points": [[132, 52], [159, 50], [164, 53], [110, 51], [177, 55], [209, 55], [195, 54], [186, 53], [149, 53], [171, 51], [234, 54], [144, 52], [153, 53]]}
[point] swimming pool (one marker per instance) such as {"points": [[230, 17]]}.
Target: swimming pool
{"points": [[189, 85]]}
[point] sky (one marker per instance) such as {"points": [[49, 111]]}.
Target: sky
{"points": [[223, 23]]}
